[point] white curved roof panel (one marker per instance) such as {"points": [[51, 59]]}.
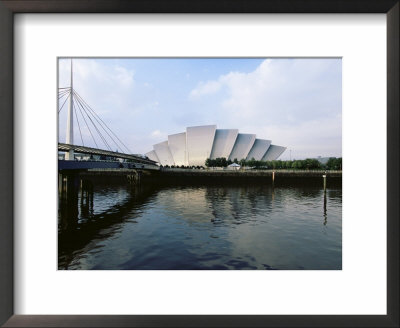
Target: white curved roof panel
{"points": [[273, 153], [223, 142], [177, 146], [199, 142], [243, 144], [153, 156], [163, 153], [259, 149]]}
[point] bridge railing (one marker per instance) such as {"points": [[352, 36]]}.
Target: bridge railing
{"points": [[95, 151]]}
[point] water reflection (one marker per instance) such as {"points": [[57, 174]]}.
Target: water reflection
{"points": [[201, 227], [81, 229]]}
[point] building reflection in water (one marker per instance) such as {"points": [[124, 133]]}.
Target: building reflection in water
{"points": [[200, 227]]}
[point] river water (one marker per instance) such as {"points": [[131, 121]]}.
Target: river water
{"points": [[201, 227]]}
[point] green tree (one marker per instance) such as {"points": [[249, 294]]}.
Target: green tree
{"points": [[224, 163], [334, 163]]}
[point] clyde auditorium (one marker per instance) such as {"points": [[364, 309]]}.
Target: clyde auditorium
{"points": [[193, 147]]}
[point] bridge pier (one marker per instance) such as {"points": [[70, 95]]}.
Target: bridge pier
{"points": [[135, 178], [86, 197], [68, 184], [68, 188], [86, 188]]}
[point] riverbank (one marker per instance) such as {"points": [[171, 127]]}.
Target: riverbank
{"points": [[278, 177], [250, 173], [207, 176]]}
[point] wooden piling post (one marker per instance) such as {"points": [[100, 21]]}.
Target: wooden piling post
{"points": [[64, 186], [324, 177], [273, 176], [60, 183]]}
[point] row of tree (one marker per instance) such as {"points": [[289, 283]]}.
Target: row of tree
{"points": [[307, 164], [198, 167], [219, 162]]}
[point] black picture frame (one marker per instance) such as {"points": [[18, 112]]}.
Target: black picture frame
{"points": [[10, 7]]}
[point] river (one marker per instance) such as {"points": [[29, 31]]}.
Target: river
{"points": [[203, 227]]}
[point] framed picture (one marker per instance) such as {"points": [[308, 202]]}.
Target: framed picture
{"points": [[39, 56], [176, 115]]}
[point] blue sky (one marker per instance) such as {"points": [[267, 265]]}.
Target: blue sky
{"points": [[296, 103]]}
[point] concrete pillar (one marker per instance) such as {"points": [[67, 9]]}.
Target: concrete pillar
{"points": [[69, 201], [70, 121]]}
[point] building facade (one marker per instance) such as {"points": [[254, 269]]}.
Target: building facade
{"points": [[197, 143]]}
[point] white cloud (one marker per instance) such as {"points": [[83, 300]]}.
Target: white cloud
{"points": [[92, 71], [293, 102], [123, 77], [158, 136], [281, 89], [206, 88], [156, 133]]}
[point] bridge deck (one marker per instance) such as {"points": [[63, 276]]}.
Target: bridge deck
{"points": [[104, 165], [101, 152]]}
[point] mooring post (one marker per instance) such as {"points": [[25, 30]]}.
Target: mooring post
{"points": [[273, 177], [63, 185], [60, 183], [325, 215]]}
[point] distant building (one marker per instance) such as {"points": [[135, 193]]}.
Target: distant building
{"points": [[193, 147]]}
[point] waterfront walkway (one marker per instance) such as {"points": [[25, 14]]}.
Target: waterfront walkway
{"points": [[251, 173]]}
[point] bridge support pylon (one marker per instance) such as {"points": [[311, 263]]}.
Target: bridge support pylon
{"points": [[69, 155], [70, 121]]}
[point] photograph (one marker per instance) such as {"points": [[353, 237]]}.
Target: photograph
{"points": [[197, 163]]}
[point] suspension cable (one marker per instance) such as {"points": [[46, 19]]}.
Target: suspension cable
{"points": [[101, 125], [87, 125], [63, 93], [95, 114], [79, 126], [64, 103], [101, 136]]}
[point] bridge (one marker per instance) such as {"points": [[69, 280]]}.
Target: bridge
{"points": [[132, 161], [89, 121]]}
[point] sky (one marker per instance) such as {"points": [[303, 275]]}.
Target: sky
{"points": [[296, 103]]}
